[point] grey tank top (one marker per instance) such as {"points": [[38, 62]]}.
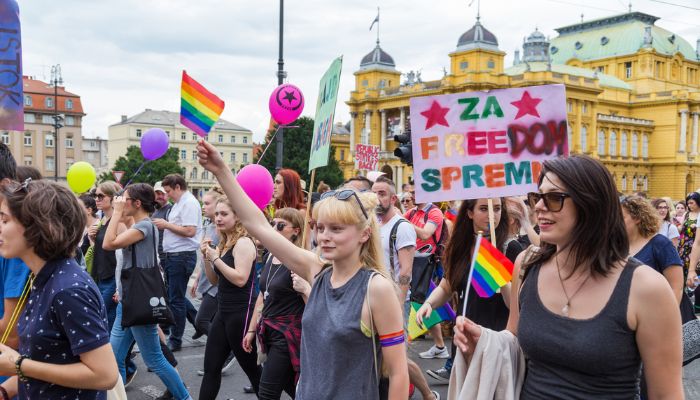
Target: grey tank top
{"points": [[337, 360], [567, 358]]}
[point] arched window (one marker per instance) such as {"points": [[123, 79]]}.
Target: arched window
{"points": [[645, 183], [613, 144], [635, 145], [623, 144], [193, 175], [634, 183], [584, 139], [623, 186], [645, 146], [601, 142]]}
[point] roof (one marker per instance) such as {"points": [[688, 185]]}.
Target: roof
{"points": [[35, 86], [169, 118], [340, 129], [477, 37], [615, 36], [377, 58], [603, 79]]}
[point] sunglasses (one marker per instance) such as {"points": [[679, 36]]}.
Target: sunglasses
{"points": [[662, 208], [100, 196], [406, 201], [554, 201], [344, 195], [280, 225]]}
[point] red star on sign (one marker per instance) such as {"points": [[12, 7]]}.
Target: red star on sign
{"points": [[526, 105], [435, 115]]}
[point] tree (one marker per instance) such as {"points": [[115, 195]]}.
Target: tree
{"points": [[297, 145], [151, 172]]}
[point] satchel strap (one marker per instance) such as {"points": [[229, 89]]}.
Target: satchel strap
{"points": [[392, 242]]}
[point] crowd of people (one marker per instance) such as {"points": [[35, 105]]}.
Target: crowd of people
{"points": [[318, 308]]}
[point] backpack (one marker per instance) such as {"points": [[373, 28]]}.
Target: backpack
{"points": [[444, 233]]}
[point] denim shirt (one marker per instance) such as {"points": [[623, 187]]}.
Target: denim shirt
{"points": [[64, 317]]}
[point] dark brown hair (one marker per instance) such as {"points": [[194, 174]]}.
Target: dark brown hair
{"points": [[292, 196], [144, 193], [657, 202], [51, 216], [459, 249], [173, 180], [599, 239], [27, 171]]}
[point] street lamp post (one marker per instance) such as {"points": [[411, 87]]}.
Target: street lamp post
{"points": [[281, 74], [56, 79]]}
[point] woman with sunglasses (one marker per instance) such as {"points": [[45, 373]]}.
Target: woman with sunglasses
{"points": [[667, 228], [230, 265], [277, 318], [350, 303], [138, 202], [407, 201], [586, 315], [104, 262], [64, 350]]}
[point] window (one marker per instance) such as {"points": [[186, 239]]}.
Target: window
{"points": [[183, 135], [382, 83], [584, 139], [623, 144], [47, 119], [193, 174], [194, 137], [27, 160], [69, 104], [91, 156], [27, 138], [569, 135], [233, 138], [194, 155], [221, 138], [490, 64], [613, 143], [645, 183], [584, 107], [601, 142], [634, 183], [205, 175], [623, 186], [49, 102], [635, 145], [69, 162], [245, 158], [6, 137], [245, 139], [50, 164], [48, 139], [69, 142], [601, 69], [628, 69], [233, 157], [167, 133], [464, 65], [342, 154], [658, 71], [221, 153], [645, 146], [70, 120], [27, 100], [183, 154], [569, 106], [29, 118], [138, 133], [364, 82]]}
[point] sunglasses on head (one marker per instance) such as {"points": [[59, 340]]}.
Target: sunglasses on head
{"points": [[554, 201], [344, 195], [280, 225]]}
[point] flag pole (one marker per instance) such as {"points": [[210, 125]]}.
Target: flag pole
{"points": [[471, 272], [305, 229], [492, 222]]}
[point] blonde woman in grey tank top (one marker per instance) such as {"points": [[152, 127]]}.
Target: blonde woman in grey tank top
{"points": [[355, 286], [587, 315]]}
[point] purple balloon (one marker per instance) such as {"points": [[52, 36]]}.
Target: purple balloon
{"points": [[256, 182], [154, 143]]}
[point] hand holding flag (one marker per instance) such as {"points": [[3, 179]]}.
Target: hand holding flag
{"points": [[490, 270]]}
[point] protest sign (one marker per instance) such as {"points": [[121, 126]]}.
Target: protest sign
{"points": [[367, 156], [325, 111], [12, 99], [486, 144]]}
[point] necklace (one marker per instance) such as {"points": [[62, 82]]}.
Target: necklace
{"points": [[266, 293], [565, 309]]}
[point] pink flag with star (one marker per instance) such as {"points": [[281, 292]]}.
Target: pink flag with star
{"points": [[486, 144]]}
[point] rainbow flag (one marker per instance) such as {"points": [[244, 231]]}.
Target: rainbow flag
{"points": [[491, 269], [199, 108], [444, 313]]}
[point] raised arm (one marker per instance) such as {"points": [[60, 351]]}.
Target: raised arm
{"points": [[303, 262]]}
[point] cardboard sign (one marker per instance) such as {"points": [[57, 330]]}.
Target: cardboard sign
{"points": [[486, 144], [367, 156], [325, 111], [12, 99]]}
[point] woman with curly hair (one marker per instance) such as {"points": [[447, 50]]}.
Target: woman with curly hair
{"points": [[230, 266]]}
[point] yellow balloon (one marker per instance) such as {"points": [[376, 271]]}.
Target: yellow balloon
{"points": [[81, 176]]}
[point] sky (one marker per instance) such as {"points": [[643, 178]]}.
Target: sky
{"points": [[123, 56]]}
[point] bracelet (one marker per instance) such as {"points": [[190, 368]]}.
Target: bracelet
{"points": [[18, 368], [213, 261], [3, 392]]}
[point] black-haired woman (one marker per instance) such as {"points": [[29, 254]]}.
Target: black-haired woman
{"points": [[587, 315], [688, 230], [142, 237]]}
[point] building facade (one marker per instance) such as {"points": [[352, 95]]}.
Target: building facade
{"points": [[234, 142], [633, 96], [95, 152], [36, 145]]}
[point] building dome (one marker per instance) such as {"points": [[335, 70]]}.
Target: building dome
{"points": [[377, 58], [536, 47], [477, 37], [535, 36]]}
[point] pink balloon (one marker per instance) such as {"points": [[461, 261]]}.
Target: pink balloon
{"points": [[256, 182], [286, 103]]}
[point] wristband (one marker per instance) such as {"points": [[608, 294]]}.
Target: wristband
{"points": [[18, 368], [3, 392], [251, 331]]}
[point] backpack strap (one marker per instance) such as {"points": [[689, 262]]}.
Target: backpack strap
{"points": [[392, 241]]}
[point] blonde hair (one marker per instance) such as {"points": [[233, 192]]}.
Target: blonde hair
{"points": [[109, 188], [347, 212], [294, 217], [230, 238], [215, 192]]}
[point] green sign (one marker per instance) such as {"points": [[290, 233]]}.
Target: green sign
{"points": [[325, 111]]}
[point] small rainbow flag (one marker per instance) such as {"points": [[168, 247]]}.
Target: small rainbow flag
{"points": [[444, 313], [199, 108], [491, 270]]}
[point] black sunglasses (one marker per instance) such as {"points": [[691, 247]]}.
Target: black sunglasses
{"points": [[100, 196], [554, 201], [280, 225], [344, 195]]}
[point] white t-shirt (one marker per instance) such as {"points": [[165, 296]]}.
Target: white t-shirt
{"points": [[405, 237], [186, 212], [669, 230]]}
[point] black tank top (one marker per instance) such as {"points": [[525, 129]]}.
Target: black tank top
{"points": [[567, 358], [232, 298], [105, 261], [279, 296]]}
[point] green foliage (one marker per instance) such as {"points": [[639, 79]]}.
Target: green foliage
{"points": [[152, 171], [297, 144]]}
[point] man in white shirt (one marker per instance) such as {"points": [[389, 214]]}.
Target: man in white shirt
{"points": [[398, 258], [181, 237]]}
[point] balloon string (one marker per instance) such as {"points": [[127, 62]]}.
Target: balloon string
{"points": [[272, 139], [136, 173]]}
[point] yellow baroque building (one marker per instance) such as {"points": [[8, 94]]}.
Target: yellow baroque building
{"points": [[633, 97]]}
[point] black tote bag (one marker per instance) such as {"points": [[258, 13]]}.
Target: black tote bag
{"points": [[144, 296], [423, 269]]}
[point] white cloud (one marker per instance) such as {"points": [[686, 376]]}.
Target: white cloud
{"points": [[125, 56]]}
